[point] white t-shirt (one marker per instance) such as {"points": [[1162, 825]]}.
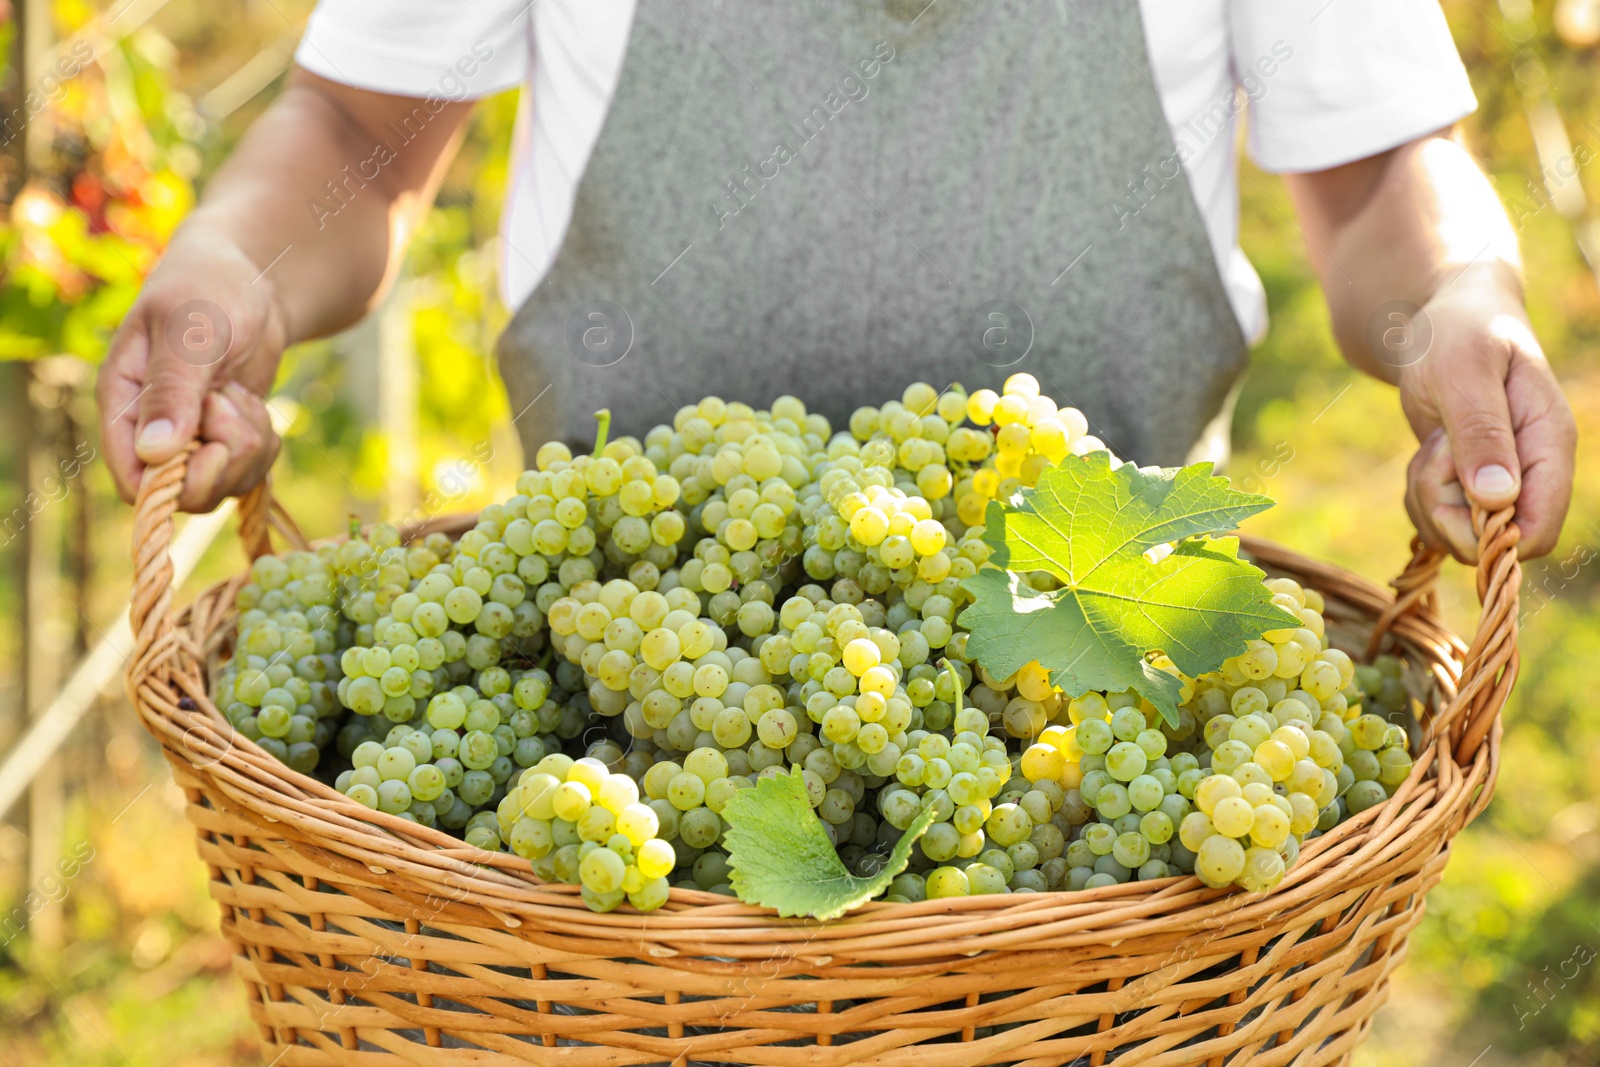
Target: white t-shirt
{"points": [[1325, 82]]}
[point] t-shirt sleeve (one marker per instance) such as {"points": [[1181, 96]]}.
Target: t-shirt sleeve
{"points": [[459, 50], [1332, 81]]}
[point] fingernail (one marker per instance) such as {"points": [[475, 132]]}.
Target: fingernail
{"points": [[155, 433], [226, 403], [1493, 479]]}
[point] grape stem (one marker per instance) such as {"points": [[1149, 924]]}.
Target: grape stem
{"points": [[603, 417], [954, 677]]}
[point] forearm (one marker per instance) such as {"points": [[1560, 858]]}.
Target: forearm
{"points": [[1403, 226], [295, 238], [1421, 225], [321, 198]]}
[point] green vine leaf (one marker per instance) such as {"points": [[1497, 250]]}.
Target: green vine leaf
{"points": [[1104, 534], [782, 858]]}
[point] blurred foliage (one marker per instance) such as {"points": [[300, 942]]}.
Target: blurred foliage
{"points": [[1553, 959], [147, 979], [116, 180]]}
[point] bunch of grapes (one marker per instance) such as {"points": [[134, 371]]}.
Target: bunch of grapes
{"points": [[1114, 760], [1001, 820], [1031, 433], [402, 775], [582, 824], [1269, 751], [1381, 687], [279, 689], [589, 674], [442, 635]]}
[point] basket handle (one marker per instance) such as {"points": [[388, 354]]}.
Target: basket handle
{"points": [[1489, 667], [150, 606]]}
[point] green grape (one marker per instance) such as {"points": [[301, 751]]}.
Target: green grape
{"points": [[837, 807], [1095, 736], [1219, 861], [393, 796], [999, 861], [982, 879], [363, 794], [274, 721], [1009, 824], [1364, 765], [531, 838], [1130, 849], [1127, 723], [1144, 792], [602, 871], [426, 782], [1263, 870], [1369, 732], [651, 894], [396, 763], [1394, 767], [1126, 761], [946, 882], [1363, 795], [1251, 730], [1108, 865], [475, 787], [1156, 826], [941, 842], [699, 827], [1153, 869], [900, 808], [1100, 837], [419, 744], [1112, 801]]}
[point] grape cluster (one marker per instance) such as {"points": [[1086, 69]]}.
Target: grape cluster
{"points": [[589, 674], [1268, 752], [1030, 434], [278, 689], [582, 824]]}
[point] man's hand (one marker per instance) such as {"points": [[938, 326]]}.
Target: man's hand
{"points": [[296, 237], [193, 361], [1420, 226], [1493, 425]]}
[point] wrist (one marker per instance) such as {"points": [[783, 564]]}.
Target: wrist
{"points": [[1478, 334], [206, 252], [1490, 284]]}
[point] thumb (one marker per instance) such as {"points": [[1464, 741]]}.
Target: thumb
{"points": [[186, 348], [1477, 420]]}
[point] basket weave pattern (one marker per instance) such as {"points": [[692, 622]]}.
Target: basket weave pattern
{"points": [[364, 939]]}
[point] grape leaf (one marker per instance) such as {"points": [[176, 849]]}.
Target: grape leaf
{"points": [[782, 858], [1091, 527]]}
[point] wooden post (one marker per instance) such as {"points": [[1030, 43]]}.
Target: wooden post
{"points": [[381, 384], [11, 101], [44, 640], [38, 40], [397, 400], [13, 541], [72, 376]]}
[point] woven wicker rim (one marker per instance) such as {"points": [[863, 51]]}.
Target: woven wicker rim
{"points": [[452, 882]]}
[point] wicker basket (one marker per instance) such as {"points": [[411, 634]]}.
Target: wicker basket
{"points": [[363, 939]]}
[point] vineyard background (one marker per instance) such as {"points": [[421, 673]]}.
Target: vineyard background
{"points": [[109, 953]]}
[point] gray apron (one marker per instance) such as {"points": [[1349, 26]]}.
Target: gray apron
{"points": [[834, 200]]}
